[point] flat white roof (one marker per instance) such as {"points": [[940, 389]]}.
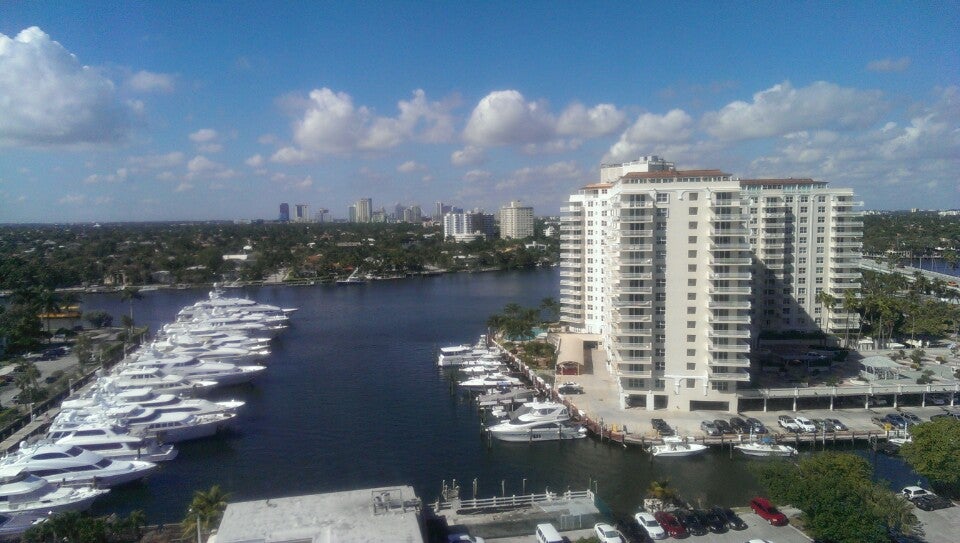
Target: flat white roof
{"points": [[352, 516]]}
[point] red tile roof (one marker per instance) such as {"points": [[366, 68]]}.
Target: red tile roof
{"points": [[787, 181], [675, 174]]}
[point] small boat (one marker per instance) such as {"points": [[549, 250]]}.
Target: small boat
{"points": [[765, 448], [538, 421], [570, 387], [677, 446]]}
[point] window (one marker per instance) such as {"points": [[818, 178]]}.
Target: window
{"points": [[661, 310], [660, 352], [691, 267], [694, 196], [821, 209], [658, 383], [804, 209], [819, 239], [720, 386], [692, 225], [691, 383], [819, 260], [663, 197], [691, 366], [820, 229], [661, 338], [802, 260], [691, 311], [801, 291], [803, 229], [661, 283], [691, 239], [691, 352], [693, 211], [691, 295], [691, 324], [661, 296], [692, 253], [691, 338], [691, 282]]}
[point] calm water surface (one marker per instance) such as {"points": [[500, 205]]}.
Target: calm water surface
{"points": [[353, 398]]}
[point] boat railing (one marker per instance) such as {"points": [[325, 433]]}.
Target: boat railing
{"points": [[526, 500]]}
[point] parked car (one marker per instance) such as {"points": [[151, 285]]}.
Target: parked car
{"points": [[894, 420], [739, 425], [650, 526], [766, 511], [788, 423], [932, 502], [913, 492], [733, 520], [464, 538], [608, 534], [756, 426], [823, 425], [724, 426], [661, 427], [837, 425], [712, 520], [910, 417], [691, 522], [709, 428], [937, 399], [805, 425], [670, 524]]}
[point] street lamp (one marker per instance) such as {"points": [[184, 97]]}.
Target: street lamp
{"points": [[198, 523]]}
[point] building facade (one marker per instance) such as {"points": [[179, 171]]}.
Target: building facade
{"points": [[516, 221], [364, 210], [670, 267], [462, 227], [284, 212], [301, 213]]}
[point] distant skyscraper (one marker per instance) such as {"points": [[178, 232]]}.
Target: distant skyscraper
{"points": [[301, 213], [364, 209], [322, 215], [352, 213], [412, 214], [284, 212], [516, 221]]}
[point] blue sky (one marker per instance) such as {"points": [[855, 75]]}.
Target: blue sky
{"points": [[222, 110]]}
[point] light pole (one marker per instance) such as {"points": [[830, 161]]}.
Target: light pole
{"points": [[198, 523]]}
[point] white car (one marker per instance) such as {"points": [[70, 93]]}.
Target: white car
{"points": [[608, 534], [650, 525], [788, 423], [913, 492], [805, 424], [463, 538]]}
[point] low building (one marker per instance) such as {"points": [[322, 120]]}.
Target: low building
{"points": [[374, 514]]}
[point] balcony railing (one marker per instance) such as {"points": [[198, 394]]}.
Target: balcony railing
{"points": [[730, 347], [735, 319], [734, 376], [740, 362], [731, 261], [728, 333], [729, 304], [722, 276], [731, 290]]}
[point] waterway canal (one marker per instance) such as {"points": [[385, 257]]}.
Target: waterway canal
{"points": [[353, 398]]}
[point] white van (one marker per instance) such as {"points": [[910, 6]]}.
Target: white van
{"points": [[546, 533]]}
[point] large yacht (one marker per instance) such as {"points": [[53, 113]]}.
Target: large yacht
{"points": [[223, 373], [490, 380], [462, 355], [22, 492], [73, 465], [112, 440], [538, 421], [127, 379], [166, 427]]}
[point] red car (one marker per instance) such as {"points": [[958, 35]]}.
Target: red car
{"points": [[670, 524], [768, 512]]}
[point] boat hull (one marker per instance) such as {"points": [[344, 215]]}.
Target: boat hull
{"points": [[768, 452], [526, 436]]}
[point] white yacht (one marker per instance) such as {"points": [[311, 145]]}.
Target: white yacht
{"points": [[73, 465], [166, 427], [461, 355], [490, 380], [21, 492], [765, 448], [538, 421], [128, 379], [217, 300], [112, 440], [105, 397], [223, 373], [677, 446]]}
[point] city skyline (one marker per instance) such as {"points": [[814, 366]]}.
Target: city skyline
{"points": [[119, 112]]}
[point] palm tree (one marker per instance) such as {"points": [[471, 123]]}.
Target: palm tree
{"points": [[50, 302], [129, 294], [896, 510], [205, 510], [551, 307], [851, 303], [26, 378], [827, 301]]}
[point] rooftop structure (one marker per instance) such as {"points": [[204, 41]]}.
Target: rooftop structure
{"points": [[352, 516]]}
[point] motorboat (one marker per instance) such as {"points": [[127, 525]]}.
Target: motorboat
{"points": [[105, 397], [492, 380], [68, 464], [538, 421], [112, 440], [23, 493], [766, 448], [223, 373], [217, 300], [462, 355], [677, 446], [166, 427], [153, 378]]}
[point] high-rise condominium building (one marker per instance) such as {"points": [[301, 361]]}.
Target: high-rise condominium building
{"points": [[301, 213], [284, 212], [660, 263], [516, 221], [468, 226], [364, 209]]}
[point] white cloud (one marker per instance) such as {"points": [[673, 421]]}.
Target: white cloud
{"points": [[202, 167], [183, 187], [255, 161], [597, 121], [49, 98], [144, 81], [167, 160], [505, 118], [474, 176], [72, 199], [553, 175], [117, 176], [411, 166], [889, 65], [650, 129], [332, 124], [470, 155], [203, 135], [210, 148], [783, 109]]}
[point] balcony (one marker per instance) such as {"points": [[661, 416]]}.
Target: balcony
{"points": [[619, 329], [571, 209], [572, 302], [570, 283], [845, 275], [617, 318], [632, 303], [740, 362], [635, 374], [631, 290], [845, 203], [729, 304], [844, 285], [719, 232], [732, 245], [631, 218], [733, 319], [847, 213], [634, 261], [731, 261], [743, 376], [849, 224], [731, 290], [570, 273], [636, 246], [775, 215], [646, 204], [570, 292], [726, 203], [629, 275], [723, 276], [621, 344], [741, 334], [730, 348], [848, 244]]}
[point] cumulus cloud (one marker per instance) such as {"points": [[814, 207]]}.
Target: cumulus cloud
{"points": [[72, 199], [183, 187], [651, 129], [505, 118], [144, 81], [783, 109], [115, 177], [331, 124], [470, 155], [578, 120], [202, 167], [256, 161], [558, 173], [159, 161], [49, 98], [474, 176], [203, 135], [889, 65], [411, 166]]}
